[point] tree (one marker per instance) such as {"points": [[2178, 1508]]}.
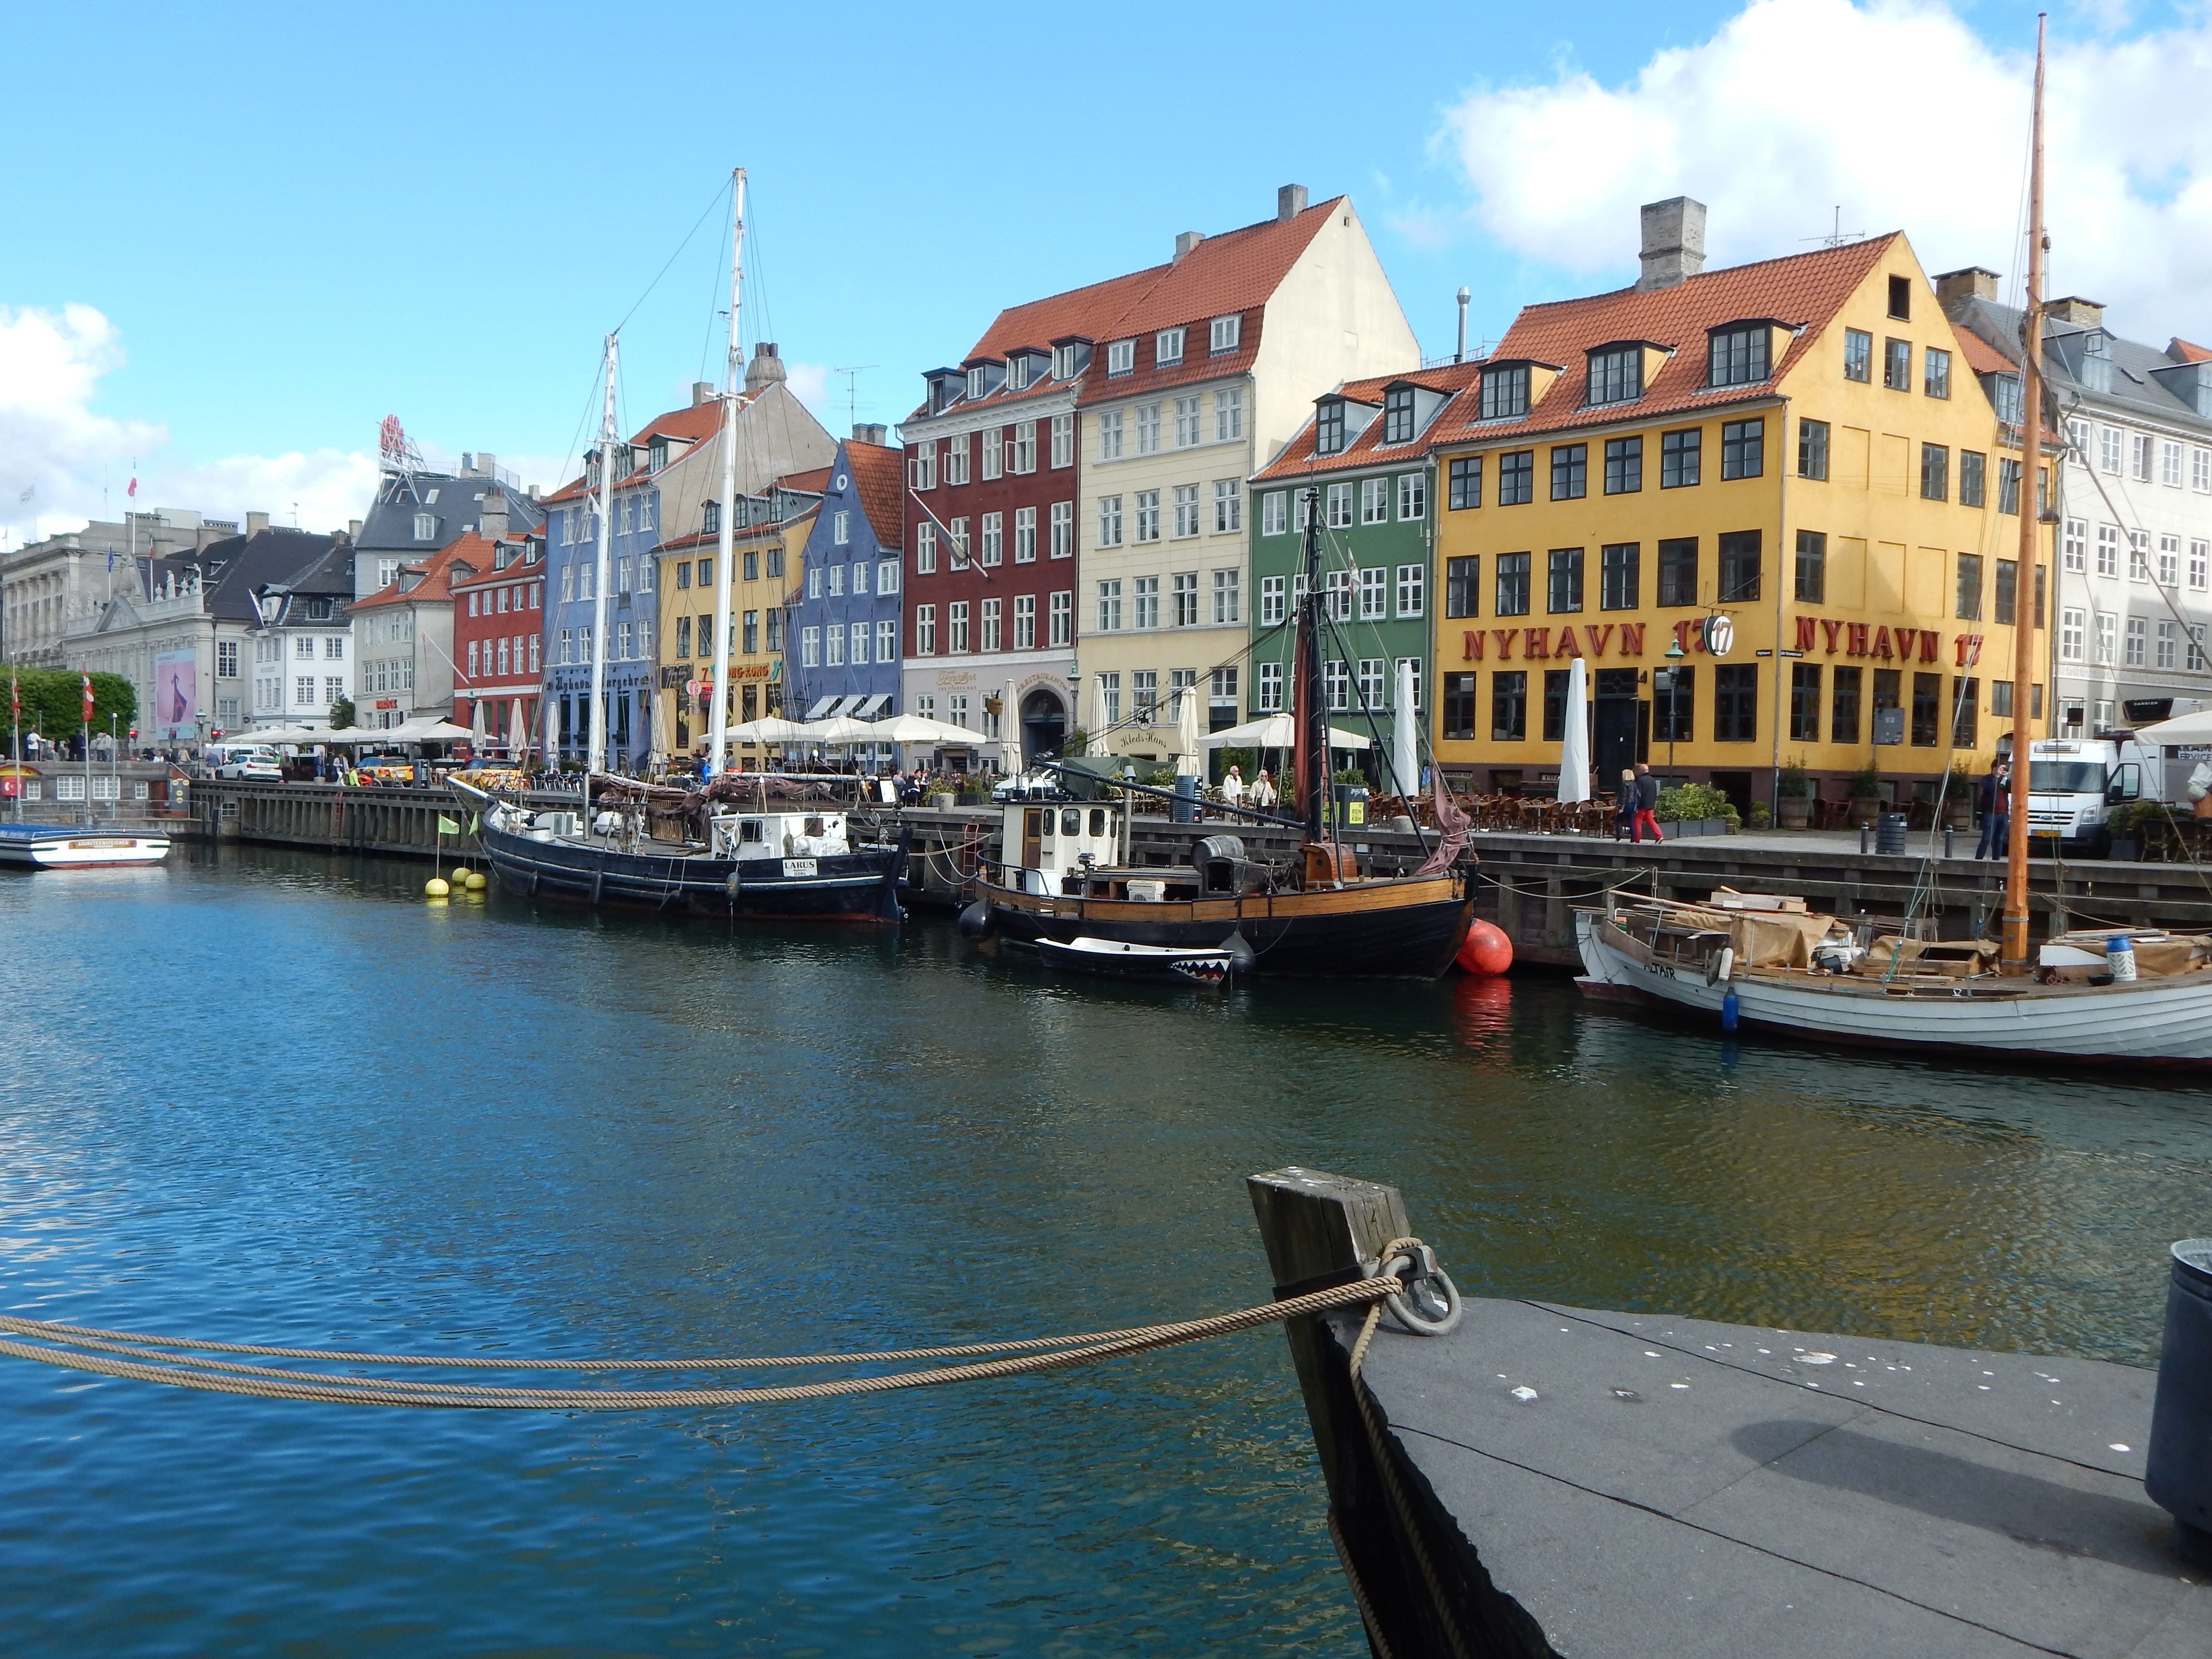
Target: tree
{"points": [[343, 714], [53, 701]]}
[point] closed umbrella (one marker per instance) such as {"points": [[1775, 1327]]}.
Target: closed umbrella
{"points": [[1404, 759], [1187, 761], [1574, 751]]}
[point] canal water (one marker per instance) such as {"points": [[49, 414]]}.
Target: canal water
{"points": [[267, 1096]]}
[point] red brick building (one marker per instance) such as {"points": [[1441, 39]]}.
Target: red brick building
{"points": [[499, 628]]}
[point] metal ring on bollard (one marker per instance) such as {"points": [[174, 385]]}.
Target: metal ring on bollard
{"points": [[1431, 1305]]}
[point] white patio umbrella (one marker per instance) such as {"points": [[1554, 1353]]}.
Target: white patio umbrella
{"points": [[2183, 731], [428, 729], [919, 729], [839, 728], [1404, 752], [1574, 751], [1187, 761], [284, 734], [1276, 731], [771, 729]]}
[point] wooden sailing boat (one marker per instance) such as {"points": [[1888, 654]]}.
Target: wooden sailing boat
{"points": [[1064, 872], [1759, 961]]}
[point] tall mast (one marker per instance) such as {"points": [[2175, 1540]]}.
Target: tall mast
{"points": [[2030, 503], [1312, 729], [600, 579], [718, 723]]}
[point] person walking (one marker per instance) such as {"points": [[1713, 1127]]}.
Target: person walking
{"points": [[1647, 804], [1993, 801], [1232, 788], [1263, 791], [1623, 805]]}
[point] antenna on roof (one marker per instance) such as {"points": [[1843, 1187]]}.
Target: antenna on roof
{"points": [[1837, 237], [853, 390]]}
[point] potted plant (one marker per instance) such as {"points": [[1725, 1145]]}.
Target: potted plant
{"points": [[1866, 796], [1793, 796], [2124, 824], [1761, 818]]}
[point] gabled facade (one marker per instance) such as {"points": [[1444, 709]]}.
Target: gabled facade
{"points": [[301, 651], [46, 584], [1201, 379], [418, 511], [1796, 445], [2135, 540], [842, 631], [498, 626], [1363, 463], [403, 636]]}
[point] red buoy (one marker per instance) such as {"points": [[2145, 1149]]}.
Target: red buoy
{"points": [[1485, 949]]}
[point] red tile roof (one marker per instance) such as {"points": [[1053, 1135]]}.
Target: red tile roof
{"points": [[438, 574], [1297, 457], [815, 481], [696, 421], [2182, 350], [878, 477], [486, 576], [1801, 288], [1981, 356]]}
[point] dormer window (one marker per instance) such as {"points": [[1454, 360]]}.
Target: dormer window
{"points": [[657, 455], [1017, 372], [1167, 347], [1063, 363], [1121, 356], [1616, 374], [975, 383], [1505, 392], [1329, 428], [1223, 334], [710, 517], [426, 527], [1737, 355], [1397, 415]]}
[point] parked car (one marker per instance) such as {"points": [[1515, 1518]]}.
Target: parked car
{"points": [[251, 763]]}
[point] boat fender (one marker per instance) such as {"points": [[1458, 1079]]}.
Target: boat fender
{"points": [[1728, 1009], [1723, 966], [730, 883], [1242, 956], [975, 921]]}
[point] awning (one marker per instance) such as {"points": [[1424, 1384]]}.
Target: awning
{"points": [[873, 707], [821, 707], [2182, 731]]}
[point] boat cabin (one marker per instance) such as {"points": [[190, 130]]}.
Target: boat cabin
{"points": [[1061, 842], [743, 835]]}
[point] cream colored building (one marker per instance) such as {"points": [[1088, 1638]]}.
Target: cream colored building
{"points": [[1203, 379]]}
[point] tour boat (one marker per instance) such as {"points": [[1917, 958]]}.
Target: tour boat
{"points": [[63, 847], [772, 859], [1124, 961]]}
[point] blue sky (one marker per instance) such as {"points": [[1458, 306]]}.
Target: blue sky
{"points": [[293, 221]]}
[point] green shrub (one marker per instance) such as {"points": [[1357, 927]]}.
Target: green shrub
{"points": [[1691, 801], [1761, 817], [1794, 784], [1865, 784]]}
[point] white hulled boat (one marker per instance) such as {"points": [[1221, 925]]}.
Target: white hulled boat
{"points": [[73, 847]]}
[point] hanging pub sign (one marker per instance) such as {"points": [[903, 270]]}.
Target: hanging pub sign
{"points": [[1717, 634]]}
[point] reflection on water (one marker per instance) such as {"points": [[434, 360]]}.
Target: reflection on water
{"points": [[261, 1093]]}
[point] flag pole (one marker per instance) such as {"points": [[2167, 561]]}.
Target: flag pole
{"points": [[87, 752]]}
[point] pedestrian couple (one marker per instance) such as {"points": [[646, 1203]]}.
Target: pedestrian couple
{"points": [[1637, 805]]}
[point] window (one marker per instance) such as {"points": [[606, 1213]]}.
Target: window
{"points": [[1935, 373], [2169, 560], [705, 574], [2167, 633], [1465, 481], [1148, 429], [1063, 529], [841, 529], [1398, 415], [684, 637], [1743, 448], [835, 657], [1121, 356], [1110, 435], [1023, 459], [1229, 413], [1228, 505], [622, 641], [1619, 577], [2073, 626], [1966, 713], [2196, 659], [1812, 567], [994, 614], [1677, 572], [836, 571], [1413, 495], [1182, 591], [1143, 692], [1844, 706], [1374, 593], [955, 619], [2007, 591], [2199, 554], [1110, 606], [956, 460], [1110, 521], [2138, 641], [1805, 702], [1373, 672], [1569, 472], [1268, 699], [1458, 710], [567, 644], [995, 539], [226, 660], [887, 640], [1517, 478], [752, 645], [1024, 622], [1274, 513], [925, 550], [1623, 466], [2200, 469], [1969, 606], [1680, 456], [1223, 333], [1148, 515], [1509, 706], [1338, 586], [1738, 551], [1026, 535], [1185, 422], [1512, 585], [1935, 472], [1927, 709], [925, 630], [1736, 356], [1374, 500], [2108, 450], [2108, 639], [2000, 698], [1897, 365], [1735, 703], [1167, 346], [2008, 485], [2139, 457], [1616, 376], [2139, 556], [1061, 612], [1858, 355], [1228, 601], [977, 387], [2108, 550], [426, 526], [2169, 465], [1462, 586], [958, 560], [994, 452], [1562, 584], [1413, 590], [1339, 506], [1328, 427], [1273, 600], [1504, 394]]}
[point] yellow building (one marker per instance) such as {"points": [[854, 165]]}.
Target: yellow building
{"points": [[767, 539], [1803, 447]]}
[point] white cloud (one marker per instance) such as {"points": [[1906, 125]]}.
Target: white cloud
{"points": [[1896, 110], [810, 384]]}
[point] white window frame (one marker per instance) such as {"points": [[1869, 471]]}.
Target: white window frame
{"points": [[2108, 550], [887, 575], [1223, 333], [809, 647], [2169, 463], [856, 649], [993, 551], [1063, 440], [2136, 646], [2200, 470], [925, 630], [925, 549], [1167, 347], [1275, 513], [2199, 556], [1026, 535], [1148, 515], [1145, 595], [1275, 600], [1184, 591], [1062, 521], [1413, 590], [887, 640], [1186, 510], [2139, 457], [1228, 596], [2139, 556], [1338, 516], [1110, 434], [2074, 550], [1024, 622], [1374, 500], [1060, 608], [1413, 496], [1374, 593], [1148, 429], [1109, 604], [1121, 357], [840, 528], [1187, 432], [1229, 414], [2169, 562], [2108, 450], [1267, 694], [995, 453], [956, 458], [833, 645], [2073, 630], [2107, 642], [1023, 458], [1110, 521]]}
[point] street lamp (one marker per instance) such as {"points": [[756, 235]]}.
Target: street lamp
{"points": [[1675, 655]]}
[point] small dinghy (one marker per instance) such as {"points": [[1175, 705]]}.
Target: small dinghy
{"points": [[1154, 961]]}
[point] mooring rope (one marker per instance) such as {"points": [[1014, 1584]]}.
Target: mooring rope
{"points": [[149, 1358]]}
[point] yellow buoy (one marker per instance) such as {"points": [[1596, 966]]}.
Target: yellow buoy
{"points": [[475, 882], [461, 875], [436, 887]]}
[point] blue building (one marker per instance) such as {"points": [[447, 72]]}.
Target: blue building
{"points": [[842, 635]]}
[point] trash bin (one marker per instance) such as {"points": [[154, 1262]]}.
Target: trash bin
{"points": [[2178, 1473], [1889, 833]]}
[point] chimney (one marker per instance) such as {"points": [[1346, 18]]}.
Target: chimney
{"points": [[491, 516], [1186, 241], [256, 523], [1674, 242], [487, 464], [533, 496], [703, 391], [1290, 202], [353, 529], [1973, 282], [870, 432], [1459, 356], [2083, 314], [765, 370]]}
